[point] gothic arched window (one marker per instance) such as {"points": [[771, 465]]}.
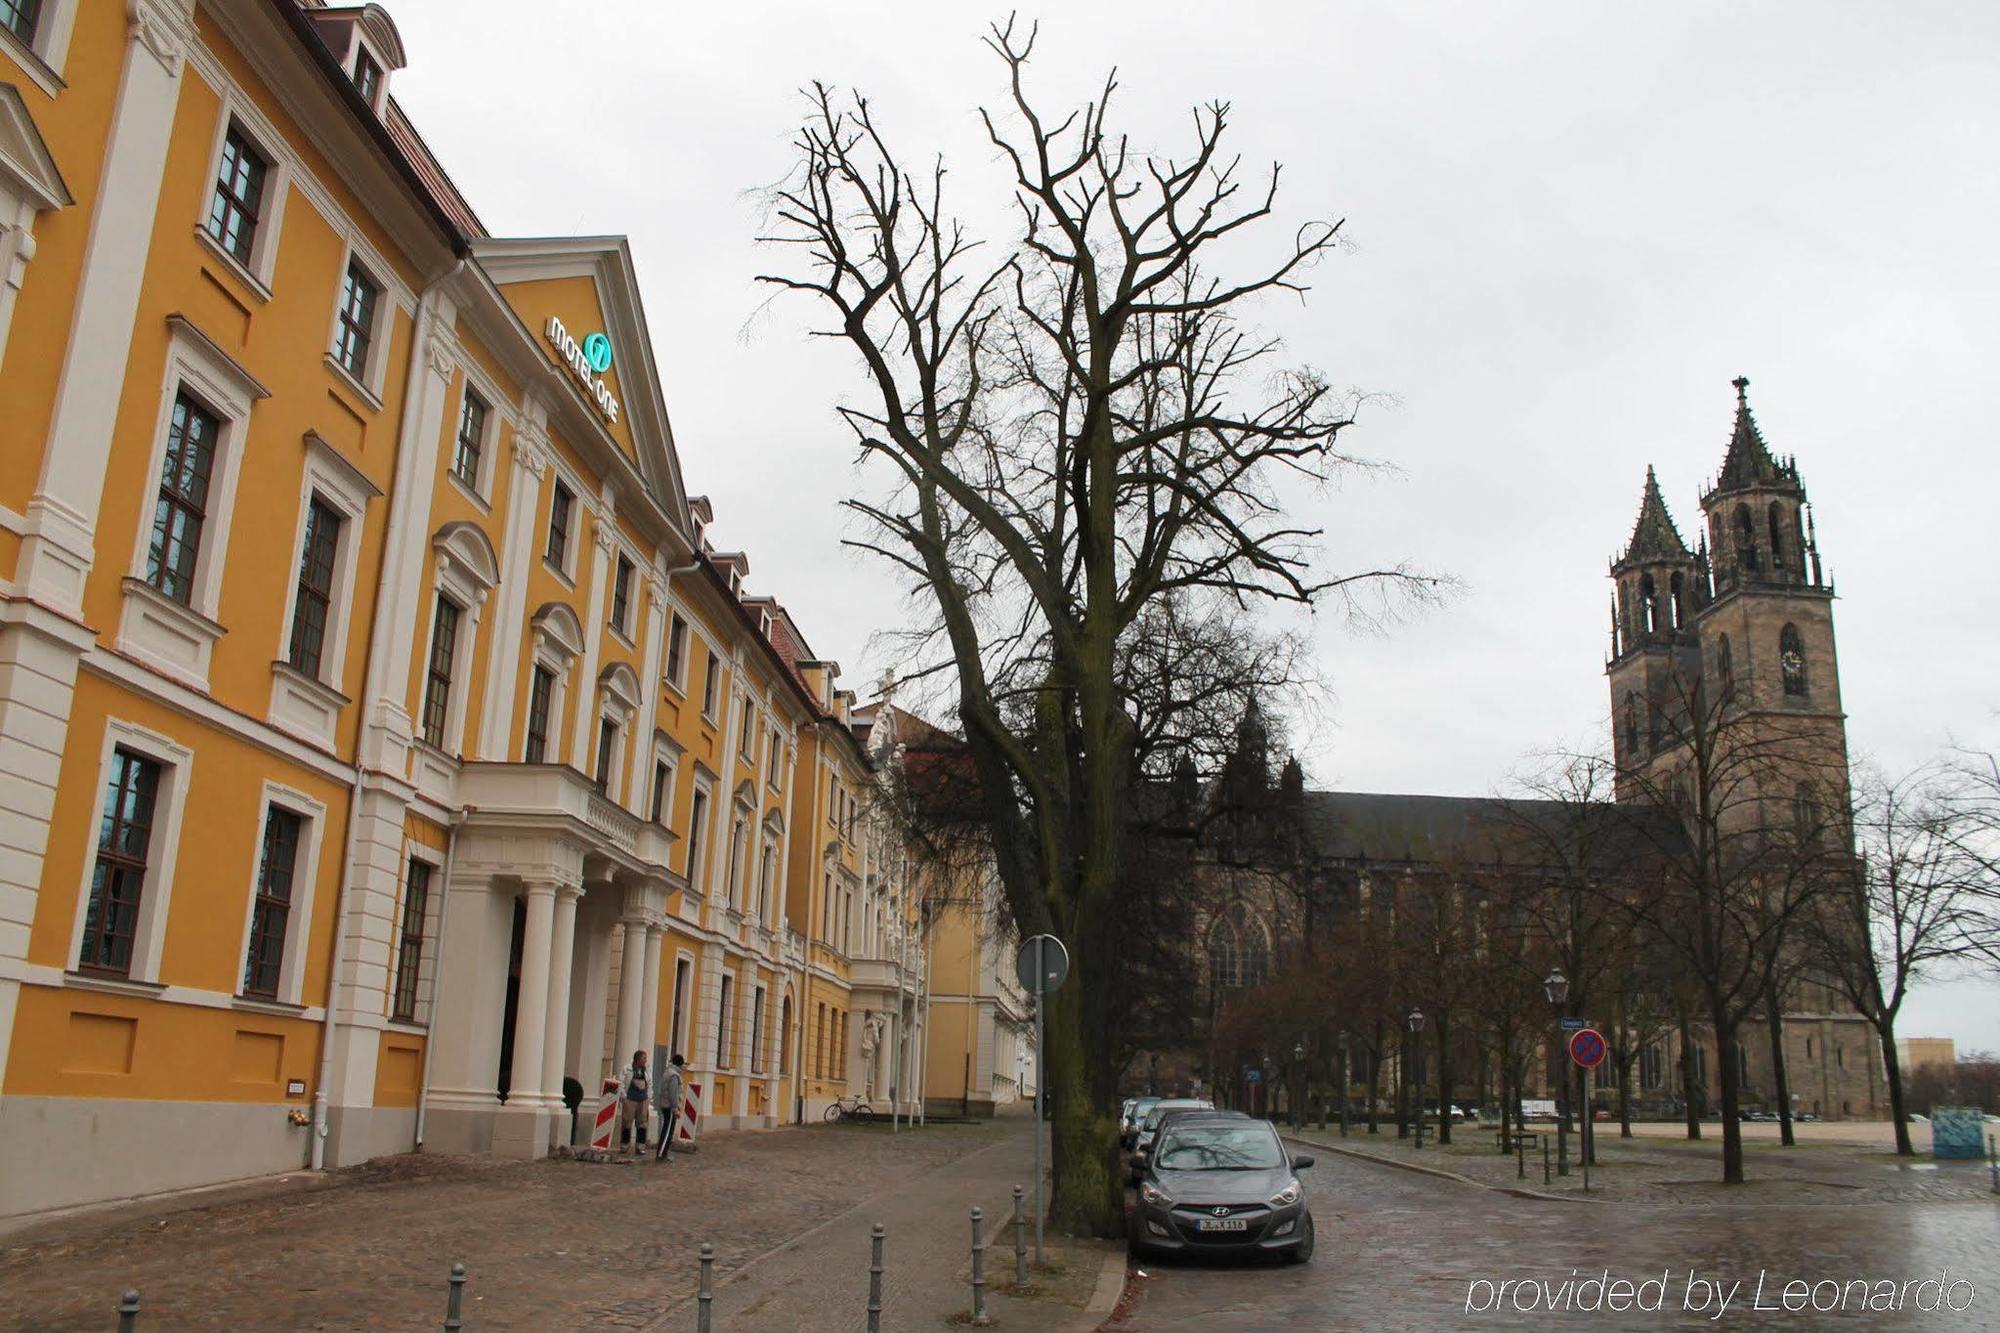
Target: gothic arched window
{"points": [[1725, 668], [1225, 959], [1677, 589], [1631, 723], [1746, 538], [1238, 952], [1792, 659], [1805, 814], [1777, 535], [1650, 597]]}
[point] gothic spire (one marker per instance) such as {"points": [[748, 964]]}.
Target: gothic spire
{"points": [[1749, 461], [1654, 536]]}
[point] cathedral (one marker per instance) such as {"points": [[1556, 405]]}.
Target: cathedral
{"points": [[1734, 635]]}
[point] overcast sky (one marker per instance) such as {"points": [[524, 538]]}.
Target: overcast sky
{"points": [[1570, 227]]}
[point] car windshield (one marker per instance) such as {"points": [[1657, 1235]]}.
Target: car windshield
{"points": [[1249, 1147], [1161, 1108]]}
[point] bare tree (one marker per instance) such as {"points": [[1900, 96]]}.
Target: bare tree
{"points": [[1075, 426], [1921, 900]]}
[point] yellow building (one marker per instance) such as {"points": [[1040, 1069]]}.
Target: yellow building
{"points": [[382, 741]]}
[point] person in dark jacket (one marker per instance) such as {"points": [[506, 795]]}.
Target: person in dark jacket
{"points": [[635, 1112], [667, 1096]]}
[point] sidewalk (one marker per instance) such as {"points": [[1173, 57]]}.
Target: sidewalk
{"points": [[819, 1280], [1662, 1170]]}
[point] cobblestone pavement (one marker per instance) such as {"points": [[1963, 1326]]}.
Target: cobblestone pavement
{"points": [[1654, 1170], [1397, 1250], [547, 1245]]}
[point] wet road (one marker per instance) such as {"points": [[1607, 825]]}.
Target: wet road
{"points": [[1397, 1250]]}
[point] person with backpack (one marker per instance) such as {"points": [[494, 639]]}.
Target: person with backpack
{"points": [[635, 1111], [668, 1096]]}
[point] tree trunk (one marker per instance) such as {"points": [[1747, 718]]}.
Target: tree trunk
{"points": [[1897, 1109], [1732, 1125], [1625, 1097], [1775, 1019], [1444, 1080], [1405, 1067], [1088, 1198], [1691, 1091], [1375, 1083]]}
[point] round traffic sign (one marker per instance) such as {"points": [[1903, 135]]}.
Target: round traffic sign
{"points": [[1586, 1047], [1042, 964]]}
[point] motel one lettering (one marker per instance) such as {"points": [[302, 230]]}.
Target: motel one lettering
{"points": [[585, 360]]}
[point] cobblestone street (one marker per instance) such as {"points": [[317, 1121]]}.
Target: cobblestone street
{"points": [[1399, 1250], [546, 1245]]}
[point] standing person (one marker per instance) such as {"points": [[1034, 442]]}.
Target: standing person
{"points": [[669, 1098], [635, 1110]]}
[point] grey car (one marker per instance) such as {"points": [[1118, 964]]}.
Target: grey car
{"points": [[1222, 1185]]}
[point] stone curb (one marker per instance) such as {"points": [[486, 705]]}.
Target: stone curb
{"points": [[1110, 1287], [1517, 1191]]}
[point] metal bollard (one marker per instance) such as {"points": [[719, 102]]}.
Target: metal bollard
{"points": [[455, 1302], [875, 1279], [978, 1268], [1545, 1159], [1020, 1241], [128, 1312], [1520, 1156], [704, 1296]]}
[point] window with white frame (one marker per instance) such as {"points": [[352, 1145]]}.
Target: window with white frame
{"points": [[441, 669], [271, 903], [774, 760], [128, 880], [739, 832], [746, 739], [307, 698], [677, 637], [236, 206], [767, 875], [559, 551], [697, 838], [354, 329], [541, 705], [171, 615], [621, 596], [412, 923], [725, 1044], [464, 571], [37, 33], [757, 1031], [558, 644], [710, 684], [618, 705], [660, 801], [469, 447]]}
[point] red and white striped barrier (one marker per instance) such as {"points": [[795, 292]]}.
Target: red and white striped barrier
{"points": [[688, 1127], [607, 1117]]}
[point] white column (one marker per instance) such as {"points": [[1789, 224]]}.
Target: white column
{"points": [[524, 494], [531, 1005], [562, 949], [631, 990], [649, 994], [59, 545], [584, 733]]}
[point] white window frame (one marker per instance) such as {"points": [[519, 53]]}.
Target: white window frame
{"points": [[678, 684], [452, 577], [759, 1011], [666, 753], [725, 1001], [30, 184], [427, 958], [701, 840], [388, 298], [43, 57], [299, 702], [560, 657], [578, 509], [480, 489], [170, 636], [156, 891], [634, 586], [621, 709], [257, 274], [305, 878]]}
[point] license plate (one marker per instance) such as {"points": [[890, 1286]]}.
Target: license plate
{"points": [[1222, 1224]]}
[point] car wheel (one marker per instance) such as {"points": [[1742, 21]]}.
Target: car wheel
{"points": [[1303, 1251]]}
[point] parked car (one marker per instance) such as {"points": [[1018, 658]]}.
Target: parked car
{"points": [[1136, 1166], [1142, 1138], [1223, 1184], [1129, 1133]]}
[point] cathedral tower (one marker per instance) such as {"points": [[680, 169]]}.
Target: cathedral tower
{"points": [[1661, 588]]}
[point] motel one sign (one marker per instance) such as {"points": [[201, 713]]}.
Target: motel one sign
{"points": [[589, 359]]}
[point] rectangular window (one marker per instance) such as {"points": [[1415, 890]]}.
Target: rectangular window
{"points": [[697, 828], [20, 17], [410, 941], [314, 596], [621, 597], [471, 439], [358, 296], [677, 642], [437, 678], [561, 504], [662, 775], [746, 740], [123, 833], [607, 744], [710, 680], [273, 905], [541, 697], [367, 76], [239, 194], [182, 508], [757, 1031], [773, 759], [722, 1042]]}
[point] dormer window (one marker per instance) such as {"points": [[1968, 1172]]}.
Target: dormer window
{"points": [[367, 77]]}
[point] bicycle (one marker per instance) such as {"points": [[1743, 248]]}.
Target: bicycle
{"points": [[845, 1108]]}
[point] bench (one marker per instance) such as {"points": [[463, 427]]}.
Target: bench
{"points": [[1519, 1139]]}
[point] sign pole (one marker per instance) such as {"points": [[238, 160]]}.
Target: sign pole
{"points": [[1041, 1073]]}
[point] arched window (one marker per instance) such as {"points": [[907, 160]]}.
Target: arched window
{"points": [[1256, 952], [1238, 953], [1746, 539], [1792, 659], [1631, 723], [1725, 669], [1677, 589], [1777, 536], [1805, 814], [1225, 960], [1650, 596]]}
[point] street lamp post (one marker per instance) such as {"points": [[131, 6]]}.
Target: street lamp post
{"points": [[1417, 1050], [1299, 1080], [1556, 987], [1343, 1083]]}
